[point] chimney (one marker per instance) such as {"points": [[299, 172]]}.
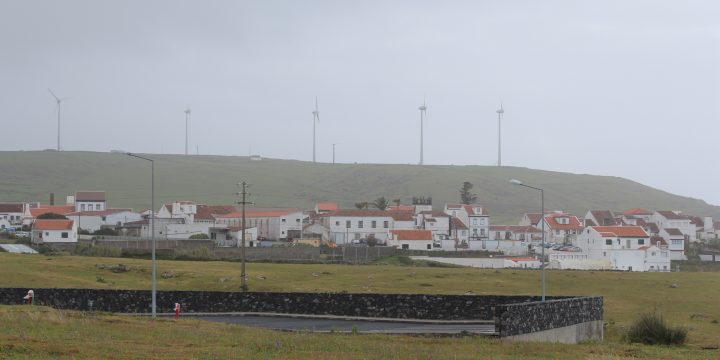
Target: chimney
{"points": [[52, 199]]}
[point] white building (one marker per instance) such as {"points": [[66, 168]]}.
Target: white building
{"points": [[625, 247], [600, 218], [54, 231], [411, 239], [94, 220], [674, 220], [11, 215], [348, 226], [88, 201], [676, 242], [272, 224], [561, 227], [232, 236]]}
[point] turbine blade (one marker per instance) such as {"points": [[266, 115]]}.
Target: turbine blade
{"points": [[53, 95]]}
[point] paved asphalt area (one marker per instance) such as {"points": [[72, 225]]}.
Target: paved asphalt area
{"points": [[346, 325]]}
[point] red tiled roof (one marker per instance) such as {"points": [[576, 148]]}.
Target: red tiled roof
{"points": [[457, 224], [221, 209], [359, 213], [98, 213], [673, 232], [515, 228], [260, 213], [57, 209], [524, 259], [11, 208], [637, 211], [53, 224], [327, 206], [412, 234], [202, 212], [620, 231], [90, 196], [671, 215], [573, 222], [401, 215], [603, 216], [534, 217]]}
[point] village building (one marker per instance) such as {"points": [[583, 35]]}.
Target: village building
{"points": [[54, 231], [411, 239], [625, 247]]}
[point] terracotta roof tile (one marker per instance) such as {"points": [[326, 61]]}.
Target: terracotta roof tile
{"points": [[57, 209], [412, 234], [673, 232], [621, 231], [53, 224], [11, 208], [359, 213], [90, 196], [255, 213], [326, 206], [671, 215], [553, 224]]}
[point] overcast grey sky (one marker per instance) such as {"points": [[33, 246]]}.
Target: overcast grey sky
{"points": [[622, 88]]}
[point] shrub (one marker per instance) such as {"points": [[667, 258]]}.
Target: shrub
{"points": [[106, 231], [651, 329], [97, 250], [199, 253], [199, 237]]}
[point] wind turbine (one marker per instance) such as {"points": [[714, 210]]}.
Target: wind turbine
{"points": [[187, 120], [500, 113], [316, 119], [423, 115], [59, 100]]}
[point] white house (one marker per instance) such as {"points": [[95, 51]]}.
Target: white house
{"points": [[54, 231], [676, 242], [625, 247], [11, 215], [350, 225], [531, 219], [272, 224], [674, 220], [561, 227], [89, 201], [600, 218], [511, 239], [411, 239], [94, 220], [232, 236]]}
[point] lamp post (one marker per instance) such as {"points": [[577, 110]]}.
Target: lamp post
{"points": [[152, 228], [542, 221]]}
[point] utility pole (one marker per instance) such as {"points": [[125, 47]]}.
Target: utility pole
{"points": [[333, 154], [187, 120], [243, 202]]}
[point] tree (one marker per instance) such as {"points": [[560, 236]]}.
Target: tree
{"points": [[362, 205], [51, 215], [467, 197], [106, 231], [381, 203], [397, 202]]}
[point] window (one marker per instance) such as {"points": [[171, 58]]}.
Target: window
{"points": [[337, 223], [429, 247], [482, 232], [652, 254], [64, 235], [608, 242], [82, 207], [405, 246], [497, 235], [604, 254], [213, 235], [297, 220], [360, 224], [474, 222], [47, 233], [347, 224], [373, 224], [386, 224], [641, 241], [283, 220], [97, 207]]}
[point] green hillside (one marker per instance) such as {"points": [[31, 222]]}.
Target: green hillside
{"points": [[32, 176]]}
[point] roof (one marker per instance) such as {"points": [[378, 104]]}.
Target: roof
{"points": [[57, 209], [326, 206], [515, 228], [90, 196], [412, 234], [637, 211], [716, 225], [434, 213], [524, 259], [671, 215], [603, 216], [260, 213], [138, 223], [673, 232], [652, 227], [620, 231], [401, 215], [221, 209], [98, 213], [534, 217], [18, 249], [202, 212], [457, 224], [469, 208], [53, 224], [573, 222], [360, 213], [658, 240], [11, 208]]}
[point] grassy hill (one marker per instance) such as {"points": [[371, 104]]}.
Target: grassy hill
{"points": [[33, 175]]}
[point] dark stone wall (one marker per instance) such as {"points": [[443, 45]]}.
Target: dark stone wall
{"points": [[523, 318], [403, 306]]}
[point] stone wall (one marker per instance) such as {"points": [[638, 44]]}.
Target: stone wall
{"points": [[402, 306], [531, 317]]}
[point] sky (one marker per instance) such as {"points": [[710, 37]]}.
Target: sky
{"points": [[618, 88]]}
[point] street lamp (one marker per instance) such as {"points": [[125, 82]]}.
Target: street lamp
{"points": [[152, 227], [542, 221]]}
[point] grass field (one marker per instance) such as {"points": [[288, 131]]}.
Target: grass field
{"points": [[29, 332], [32, 176]]}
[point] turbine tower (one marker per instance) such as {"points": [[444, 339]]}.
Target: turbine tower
{"points": [[59, 100], [423, 114], [500, 113], [187, 120], [316, 119]]}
